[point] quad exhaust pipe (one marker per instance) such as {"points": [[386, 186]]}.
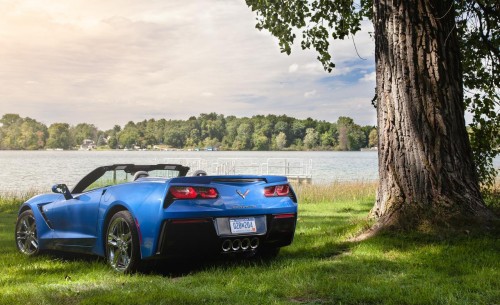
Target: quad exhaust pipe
{"points": [[240, 244], [226, 245], [236, 245], [245, 244], [254, 243]]}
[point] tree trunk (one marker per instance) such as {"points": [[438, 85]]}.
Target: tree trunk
{"points": [[427, 175]]}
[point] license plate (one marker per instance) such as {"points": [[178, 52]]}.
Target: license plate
{"points": [[243, 225]]}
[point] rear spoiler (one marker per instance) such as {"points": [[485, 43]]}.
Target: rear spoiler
{"points": [[236, 179]]}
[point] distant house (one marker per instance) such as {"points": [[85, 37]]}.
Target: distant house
{"points": [[88, 145]]}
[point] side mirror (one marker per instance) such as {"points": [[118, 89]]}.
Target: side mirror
{"points": [[62, 189]]}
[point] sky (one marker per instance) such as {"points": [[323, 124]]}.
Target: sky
{"points": [[114, 61]]}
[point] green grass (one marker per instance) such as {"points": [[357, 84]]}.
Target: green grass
{"points": [[320, 267]]}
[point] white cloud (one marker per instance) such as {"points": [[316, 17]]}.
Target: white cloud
{"points": [[310, 93], [293, 68], [108, 62], [368, 78]]}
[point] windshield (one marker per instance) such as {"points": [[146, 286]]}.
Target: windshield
{"points": [[120, 176]]}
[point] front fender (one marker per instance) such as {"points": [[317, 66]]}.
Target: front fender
{"points": [[44, 232]]}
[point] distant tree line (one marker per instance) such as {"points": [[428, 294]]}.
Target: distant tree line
{"points": [[269, 132]]}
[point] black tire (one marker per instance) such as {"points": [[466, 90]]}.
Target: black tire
{"points": [[122, 243], [26, 234]]}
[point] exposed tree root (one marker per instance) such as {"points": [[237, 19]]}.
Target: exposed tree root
{"points": [[436, 220]]}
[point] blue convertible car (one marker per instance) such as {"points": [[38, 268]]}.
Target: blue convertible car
{"points": [[128, 213]]}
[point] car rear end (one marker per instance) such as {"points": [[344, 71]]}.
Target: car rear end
{"points": [[227, 214]]}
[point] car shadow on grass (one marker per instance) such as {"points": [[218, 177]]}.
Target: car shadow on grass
{"points": [[302, 248], [171, 268], [179, 267]]}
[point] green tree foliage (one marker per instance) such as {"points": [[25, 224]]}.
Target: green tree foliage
{"points": [[101, 141], [350, 135], [327, 140], [11, 132], [22, 133], [212, 126], [231, 131], [10, 119], [259, 132], [33, 135], [59, 136], [282, 127], [244, 136], [280, 141], [478, 26], [113, 142], [357, 138], [373, 138], [149, 135], [311, 138], [298, 129], [175, 137], [129, 136], [82, 132], [260, 141]]}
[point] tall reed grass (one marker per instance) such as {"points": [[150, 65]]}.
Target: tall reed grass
{"points": [[336, 192], [10, 201], [492, 197]]}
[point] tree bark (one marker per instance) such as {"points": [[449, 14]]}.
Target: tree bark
{"points": [[426, 170]]}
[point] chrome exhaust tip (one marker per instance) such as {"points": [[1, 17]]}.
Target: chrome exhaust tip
{"points": [[254, 243], [226, 245], [236, 244], [245, 244]]}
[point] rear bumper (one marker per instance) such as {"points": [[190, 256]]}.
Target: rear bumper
{"points": [[199, 236]]}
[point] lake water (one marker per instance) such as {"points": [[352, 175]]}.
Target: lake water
{"points": [[24, 170]]}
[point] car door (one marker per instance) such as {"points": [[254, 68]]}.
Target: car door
{"points": [[74, 221]]}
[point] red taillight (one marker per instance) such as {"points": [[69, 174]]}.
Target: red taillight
{"points": [[282, 190], [183, 192], [281, 216], [189, 192], [269, 191], [278, 190], [208, 193]]}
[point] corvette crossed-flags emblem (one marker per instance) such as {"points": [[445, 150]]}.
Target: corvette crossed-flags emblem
{"points": [[242, 195]]}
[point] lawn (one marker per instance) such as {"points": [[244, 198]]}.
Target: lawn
{"points": [[321, 267]]}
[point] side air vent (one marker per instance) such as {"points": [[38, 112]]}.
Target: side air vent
{"points": [[47, 221], [239, 180]]}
